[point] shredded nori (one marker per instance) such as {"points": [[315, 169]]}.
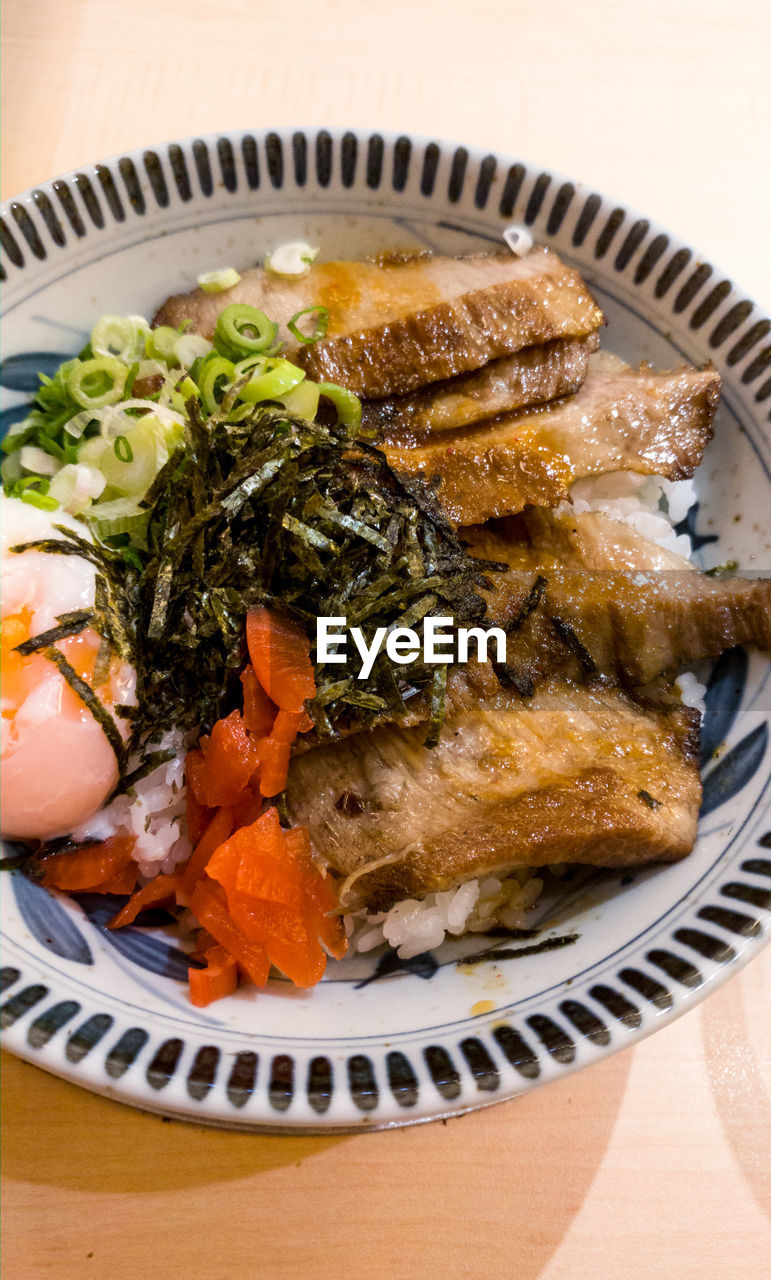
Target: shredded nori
{"points": [[529, 604], [515, 953], [263, 508], [98, 711], [650, 800], [568, 636], [514, 678], [69, 625]]}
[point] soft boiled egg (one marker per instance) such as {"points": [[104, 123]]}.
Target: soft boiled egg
{"points": [[56, 764]]}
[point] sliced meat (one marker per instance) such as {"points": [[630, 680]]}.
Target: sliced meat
{"points": [[531, 376], [398, 324], [591, 540], [633, 626], [634, 420], [571, 775]]}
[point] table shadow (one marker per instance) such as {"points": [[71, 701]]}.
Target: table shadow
{"points": [[86, 1142], [524, 1167]]}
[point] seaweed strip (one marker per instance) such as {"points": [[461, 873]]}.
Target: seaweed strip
{"points": [[530, 603], [69, 625], [87, 695], [568, 636], [438, 706], [308, 535], [102, 662], [151, 762], [515, 953]]}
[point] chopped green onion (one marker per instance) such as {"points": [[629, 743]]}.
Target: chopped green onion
{"points": [[96, 383], [36, 499], [117, 508], [34, 491], [348, 405], [134, 524], [160, 343], [319, 329], [188, 388], [242, 330], [92, 451], [282, 377], [132, 476], [10, 439], [291, 259], [122, 337], [131, 378], [189, 347], [213, 372], [250, 365], [37, 460], [76, 425], [151, 369], [218, 281], [122, 449], [302, 400], [11, 468], [76, 486]]}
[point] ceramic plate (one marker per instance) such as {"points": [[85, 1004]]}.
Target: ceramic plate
{"points": [[381, 1043]]}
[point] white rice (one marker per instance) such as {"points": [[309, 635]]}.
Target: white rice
{"points": [[650, 504], [153, 812], [414, 926]]}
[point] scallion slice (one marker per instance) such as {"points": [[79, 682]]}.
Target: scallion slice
{"points": [[188, 348], [98, 382], [131, 466], [160, 343], [76, 486], [122, 449], [348, 405], [38, 460], [34, 491], [302, 400], [291, 259], [218, 281], [110, 527], [121, 337], [271, 384], [214, 376], [242, 330], [319, 328]]}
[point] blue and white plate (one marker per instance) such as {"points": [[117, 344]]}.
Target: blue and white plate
{"points": [[379, 1043]]}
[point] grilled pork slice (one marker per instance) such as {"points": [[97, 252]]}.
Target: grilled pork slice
{"points": [[571, 775], [531, 376], [633, 420], [397, 324], [653, 620], [587, 540]]}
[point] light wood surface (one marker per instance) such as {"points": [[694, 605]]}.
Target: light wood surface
{"points": [[655, 1162]]}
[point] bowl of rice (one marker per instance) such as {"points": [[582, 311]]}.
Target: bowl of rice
{"points": [[464, 996]]}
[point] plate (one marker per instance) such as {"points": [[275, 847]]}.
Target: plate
{"points": [[381, 1043]]}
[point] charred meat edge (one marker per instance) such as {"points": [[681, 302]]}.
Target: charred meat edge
{"points": [[396, 326], [634, 420], [531, 376]]}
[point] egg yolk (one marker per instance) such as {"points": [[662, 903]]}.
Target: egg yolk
{"points": [[57, 764]]}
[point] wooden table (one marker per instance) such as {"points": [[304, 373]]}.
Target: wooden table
{"points": [[655, 1162]]}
